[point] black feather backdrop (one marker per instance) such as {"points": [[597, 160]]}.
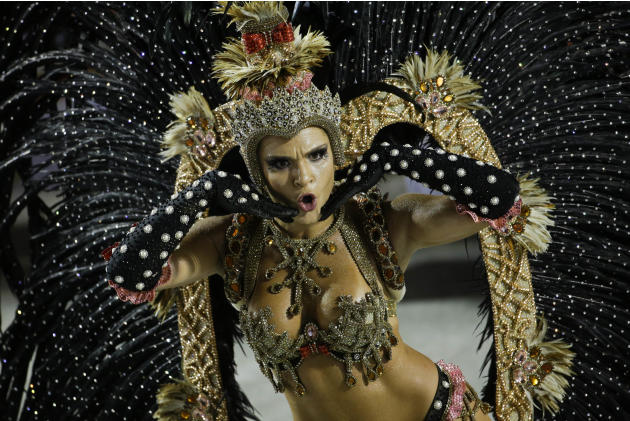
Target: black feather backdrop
{"points": [[83, 102]]}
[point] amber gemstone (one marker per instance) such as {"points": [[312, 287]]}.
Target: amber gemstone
{"points": [[184, 415], [269, 240], [382, 249], [525, 211], [393, 340], [300, 390], [190, 122], [389, 273], [439, 81], [547, 368], [534, 352], [518, 227], [234, 232], [371, 375], [379, 370], [351, 381], [424, 87], [331, 248], [394, 259], [400, 279], [204, 123], [534, 380], [189, 142], [191, 399], [235, 287], [242, 219], [229, 261], [448, 98]]}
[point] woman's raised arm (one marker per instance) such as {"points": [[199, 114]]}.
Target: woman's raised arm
{"points": [[141, 261], [200, 253]]}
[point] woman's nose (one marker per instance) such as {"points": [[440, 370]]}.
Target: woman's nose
{"points": [[303, 175]]}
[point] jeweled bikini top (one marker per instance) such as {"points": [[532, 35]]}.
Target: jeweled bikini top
{"points": [[362, 334]]}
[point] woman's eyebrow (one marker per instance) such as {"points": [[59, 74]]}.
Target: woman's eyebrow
{"points": [[272, 157], [317, 148]]}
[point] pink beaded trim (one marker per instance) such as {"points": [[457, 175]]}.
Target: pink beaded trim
{"points": [[458, 387], [500, 223], [139, 297]]}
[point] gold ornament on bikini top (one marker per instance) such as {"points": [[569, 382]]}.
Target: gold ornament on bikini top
{"points": [[361, 336], [298, 258]]}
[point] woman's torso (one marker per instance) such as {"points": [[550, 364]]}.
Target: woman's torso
{"points": [[408, 381]]}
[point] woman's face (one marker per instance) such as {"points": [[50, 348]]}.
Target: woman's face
{"points": [[299, 171]]}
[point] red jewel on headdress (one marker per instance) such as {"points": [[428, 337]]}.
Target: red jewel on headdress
{"points": [[256, 41], [283, 32]]}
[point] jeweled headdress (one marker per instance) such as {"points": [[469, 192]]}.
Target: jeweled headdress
{"points": [[266, 74]]}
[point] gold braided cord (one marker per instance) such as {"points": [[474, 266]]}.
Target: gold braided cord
{"points": [[507, 265], [200, 358]]}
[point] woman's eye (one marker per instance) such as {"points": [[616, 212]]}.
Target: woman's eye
{"points": [[320, 154], [278, 164]]}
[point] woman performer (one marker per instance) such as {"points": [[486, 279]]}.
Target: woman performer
{"points": [[312, 259], [315, 273]]}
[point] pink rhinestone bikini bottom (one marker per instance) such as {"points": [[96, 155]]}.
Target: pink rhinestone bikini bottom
{"points": [[452, 389]]}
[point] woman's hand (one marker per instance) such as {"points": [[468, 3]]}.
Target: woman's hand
{"points": [[484, 189], [136, 264]]}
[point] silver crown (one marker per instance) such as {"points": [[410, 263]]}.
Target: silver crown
{"points": [[285, 114]]}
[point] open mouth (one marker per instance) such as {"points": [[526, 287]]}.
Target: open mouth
{"points": [[307, 202]]}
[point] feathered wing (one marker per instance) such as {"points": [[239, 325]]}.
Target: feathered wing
{"points": [[555, 81], [85, 118]]}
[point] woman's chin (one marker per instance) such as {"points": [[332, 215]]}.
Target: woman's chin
{"points": [[307, 218]]}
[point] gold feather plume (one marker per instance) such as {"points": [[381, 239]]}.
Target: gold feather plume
{"points": [[183, 105], [236, 70], [174, 399], [252, 13], [414, 71], [535, 237], [551, 390]]}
